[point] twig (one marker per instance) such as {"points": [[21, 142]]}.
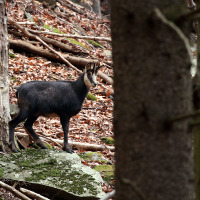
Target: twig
{"points": [[184, 116], [47, 138], [71, 36], [91, 108], [14, 191], [108, 195], [26, 23], [33, 194], [59, 55], [189, 15]]}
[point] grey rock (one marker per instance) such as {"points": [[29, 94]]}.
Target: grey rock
{"points": [[55, 169]]}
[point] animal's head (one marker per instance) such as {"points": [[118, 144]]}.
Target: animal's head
{"points": [[90, 76]]}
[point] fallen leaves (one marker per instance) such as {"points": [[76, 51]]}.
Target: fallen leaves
{"points": [[95, 119]]}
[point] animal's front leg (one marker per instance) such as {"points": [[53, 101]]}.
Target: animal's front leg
{"points": [[65, 125]]}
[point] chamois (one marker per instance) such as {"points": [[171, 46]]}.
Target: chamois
{"points": [[46, 98]]}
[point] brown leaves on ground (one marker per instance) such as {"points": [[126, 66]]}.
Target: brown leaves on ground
{"points": [[95, 119]]}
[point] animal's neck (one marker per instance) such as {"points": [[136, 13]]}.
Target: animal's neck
{"points": [[81, 87], [87, 81]]}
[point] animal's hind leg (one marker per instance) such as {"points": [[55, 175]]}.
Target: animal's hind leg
{"points": [[29, 127], [12, 124]]}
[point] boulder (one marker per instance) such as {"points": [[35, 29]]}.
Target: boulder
{"points": [[52, 172], [93, 156]]}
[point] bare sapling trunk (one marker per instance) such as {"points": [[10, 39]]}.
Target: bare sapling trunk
{"points": [[4, 83]]}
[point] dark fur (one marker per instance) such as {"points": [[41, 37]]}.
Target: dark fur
{"points": [[44, 97], [40, 98]]}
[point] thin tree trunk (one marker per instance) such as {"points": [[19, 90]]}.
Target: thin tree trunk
{"points": [[196, 99], [154, 158], [4, 84]]}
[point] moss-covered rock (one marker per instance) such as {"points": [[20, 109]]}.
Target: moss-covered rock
{"points": [[52, 168], [93, 156], [107, 171]]}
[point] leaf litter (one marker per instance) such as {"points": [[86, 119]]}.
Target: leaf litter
{"points": [[95, 119]]}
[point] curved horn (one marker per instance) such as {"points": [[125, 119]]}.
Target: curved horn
{"points": [[94, 66], [99, 66]]}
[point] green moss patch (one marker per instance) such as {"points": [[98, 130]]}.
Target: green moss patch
{"points": [[93, 156], [1, 173], [53, 168], [53, 29], [107, 140], [11, 54], [91, 97], [107, 172], [95, 44]]}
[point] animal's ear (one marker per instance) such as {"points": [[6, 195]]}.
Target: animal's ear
{"points": [[88, 66]]}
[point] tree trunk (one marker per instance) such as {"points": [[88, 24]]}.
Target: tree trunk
{"points": [[154, 158], [4, 83], [94, 4], [97, 7], [196, 100]]}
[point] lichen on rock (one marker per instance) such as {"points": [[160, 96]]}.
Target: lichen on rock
{"points": [[53, 168]]}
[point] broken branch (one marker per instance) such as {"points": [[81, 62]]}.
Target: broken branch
{"points": [[14, 191], [85, 146], [71, 36], [33, 194]]}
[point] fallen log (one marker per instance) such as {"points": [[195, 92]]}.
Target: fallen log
{"points": [[35, 37], [71, 36], [25, 46], [53, 42], [78, 145], [86, 146]]}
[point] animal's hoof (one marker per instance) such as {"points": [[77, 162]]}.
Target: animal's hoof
{"points": [[13, 148], [67, 148], [41, 144], [44, 147]]}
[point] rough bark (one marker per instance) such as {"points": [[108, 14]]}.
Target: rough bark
{"points": [[154, 158], [196, 101], [4, 84]]}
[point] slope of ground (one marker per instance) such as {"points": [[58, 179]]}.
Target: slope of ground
{"points": [[95, 119]]}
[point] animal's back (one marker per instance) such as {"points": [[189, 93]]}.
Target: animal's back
{"points": [[48, 97]]}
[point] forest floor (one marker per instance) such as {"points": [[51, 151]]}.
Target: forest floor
{"points": [[95, 119]]}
